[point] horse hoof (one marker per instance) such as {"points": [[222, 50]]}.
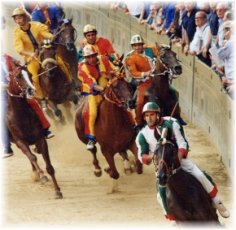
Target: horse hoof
{"points": [[43, 179], [97, 172], [58, 195]]}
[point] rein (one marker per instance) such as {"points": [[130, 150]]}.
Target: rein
{"points": [[110, 95]]}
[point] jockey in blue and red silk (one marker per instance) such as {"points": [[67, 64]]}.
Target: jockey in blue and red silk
{"points": [[48, 14], [147, 143], [94, 73], [102, 45]]}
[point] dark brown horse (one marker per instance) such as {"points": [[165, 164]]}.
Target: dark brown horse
{"points": [[25, 127], [167, 67], [65, 38], [186, 198], [55, 85], [113, 128]]}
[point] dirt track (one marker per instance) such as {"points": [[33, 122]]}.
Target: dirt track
{"points": [[87, 201]]}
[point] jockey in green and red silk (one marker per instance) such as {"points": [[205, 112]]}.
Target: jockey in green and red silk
{"points": [[147, 143]]}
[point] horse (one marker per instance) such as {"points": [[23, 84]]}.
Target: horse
{"points": [[64, 39], [167, 67], [113, 127], [186, 198], [25, 127], [55, 85]]}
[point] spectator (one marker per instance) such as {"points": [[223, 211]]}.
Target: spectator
{"points": [[226, 53], [188, 25], [213, 22], [135, 9], [152, 17], [200, 44], [221, 8]]}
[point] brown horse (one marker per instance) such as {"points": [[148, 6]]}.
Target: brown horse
{"points": [[65, 38], [186, 198], [55, 85], [25, 127], [167, 67], [113, 128]]}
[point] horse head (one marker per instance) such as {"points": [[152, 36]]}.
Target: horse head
{"points": [[168, 59], [48, 60], [167, 161], [66, 34], [119, 92]]}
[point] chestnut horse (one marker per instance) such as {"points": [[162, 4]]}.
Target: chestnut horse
{"points": [[113, 127], [65, 38], [25, 126], [55, 85], [167, 67], [186, 198]]}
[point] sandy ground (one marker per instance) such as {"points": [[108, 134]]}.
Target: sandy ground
{"points": [[87, 201]]}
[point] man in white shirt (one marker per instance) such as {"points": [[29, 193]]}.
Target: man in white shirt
{"points": [[199, 46]]}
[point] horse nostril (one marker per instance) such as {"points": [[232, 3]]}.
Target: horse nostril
{"points": [[131, 104], [178, 69]]}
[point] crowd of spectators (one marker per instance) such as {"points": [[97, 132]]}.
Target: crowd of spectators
{"points": [[202, 29]]}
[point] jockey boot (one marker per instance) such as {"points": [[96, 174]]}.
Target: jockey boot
{"points": [[90, 145], [48, 134], [221, 208]]}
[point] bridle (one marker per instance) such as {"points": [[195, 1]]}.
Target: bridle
{"points": [[111, 96], [171, 170], [14, 75]]}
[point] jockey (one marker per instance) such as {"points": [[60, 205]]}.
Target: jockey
{"points": [[102, 45], [27, 37], [139, 64], [8, 65], [94, 73], [147, 143], [48, 14]]}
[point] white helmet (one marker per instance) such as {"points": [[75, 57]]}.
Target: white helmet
{"points": [[89, 28], [88, 50], [136, 39]]}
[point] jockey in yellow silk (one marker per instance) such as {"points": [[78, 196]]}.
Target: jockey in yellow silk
{"points": [[94, 73]]}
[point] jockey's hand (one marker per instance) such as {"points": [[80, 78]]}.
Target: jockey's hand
{"points": [[99, 88], [147, 158], [180, 156], [34, 55]]}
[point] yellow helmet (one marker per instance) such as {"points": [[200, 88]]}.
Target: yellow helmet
{"points": [[89, 28], [136, 39], [20, 11], [88, 50]]}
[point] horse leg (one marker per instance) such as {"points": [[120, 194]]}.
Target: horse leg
{"points": [[57, 112], [139, 167], [43, 147], [127, 166], [33, 159], [35, 176], [111, 169], [97, 170]]}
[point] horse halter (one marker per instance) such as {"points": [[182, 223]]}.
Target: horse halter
{"points": [[111, 96], [59, 34], [170, 170], [14, 75]]}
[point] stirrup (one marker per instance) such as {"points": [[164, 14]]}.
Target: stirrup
{"points": [[90, 145]]}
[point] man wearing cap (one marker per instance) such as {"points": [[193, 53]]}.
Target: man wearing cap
{"points": [[169, 129], [93, 72], [139, 64], [27, 37], [102, 45]]}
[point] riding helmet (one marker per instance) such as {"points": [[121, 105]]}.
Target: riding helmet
{"points": [[151, 107]]}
